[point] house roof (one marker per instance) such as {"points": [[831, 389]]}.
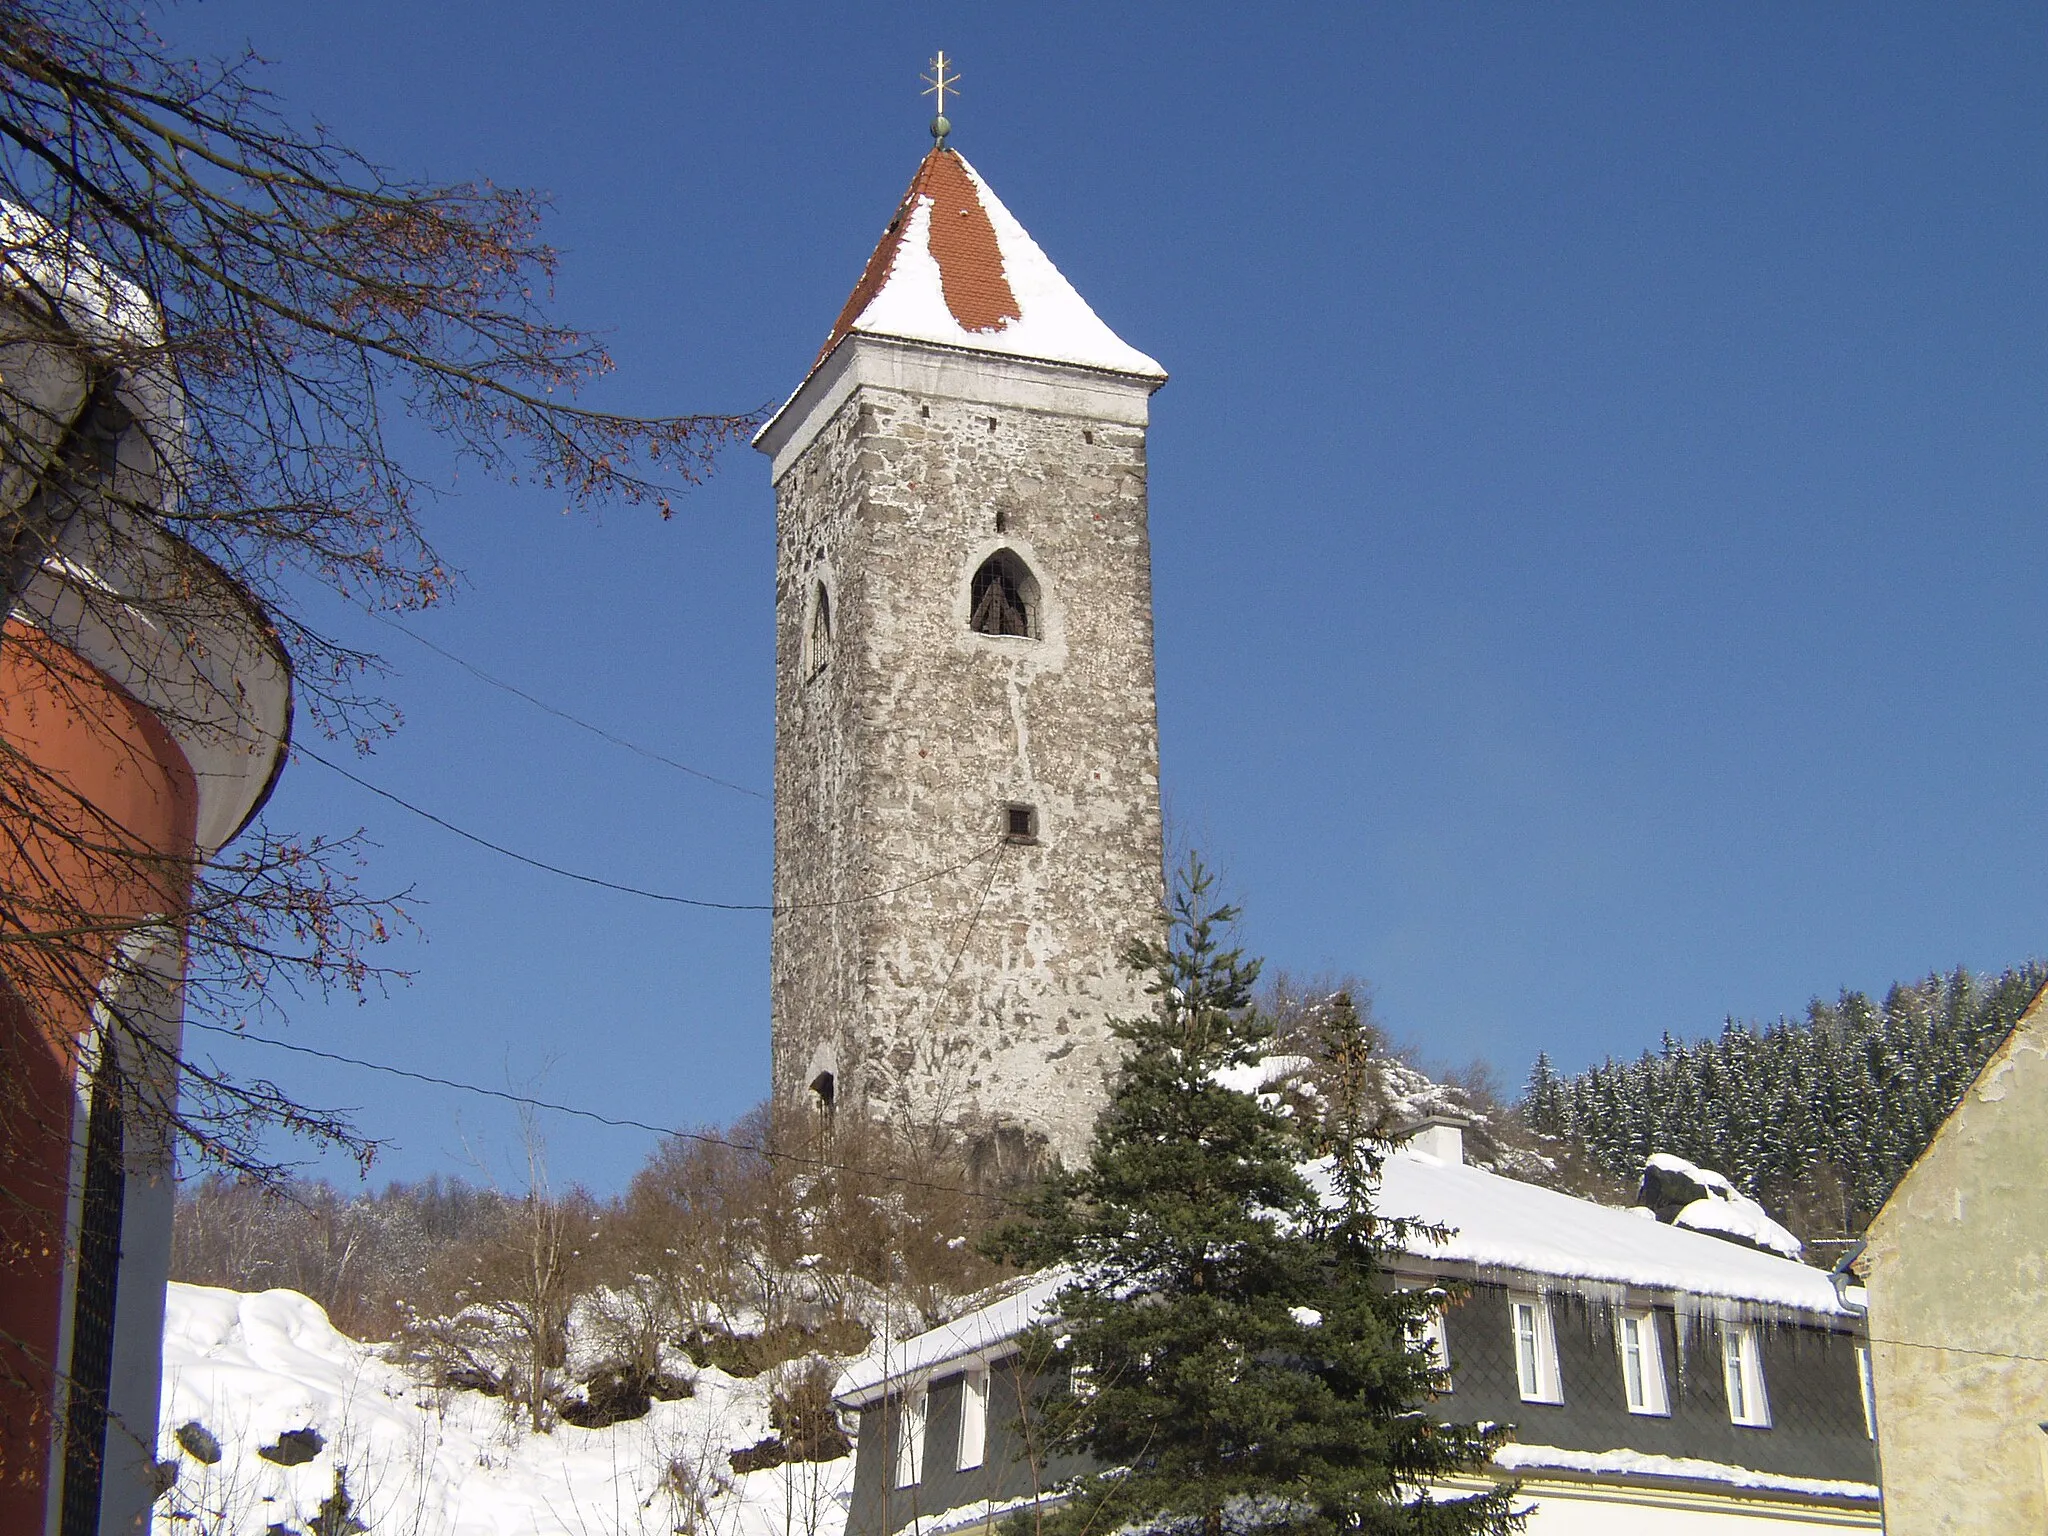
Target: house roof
{"points": [[955, 268], [149, 609], [1501, 1227], [1504, 1224], [966, 1336]]}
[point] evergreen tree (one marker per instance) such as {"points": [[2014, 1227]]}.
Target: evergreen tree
{"points": [[1825, 1113], [1543, 1101], [1242, 1365]]}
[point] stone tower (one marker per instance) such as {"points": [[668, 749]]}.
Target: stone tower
{"points": [[966, 746]]}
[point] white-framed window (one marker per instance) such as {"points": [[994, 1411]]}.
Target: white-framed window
{"points": [[1642, 1363], [973, 1418], [1742, 1366], [1428, 1331], [910, 1416], [1869, 1385], [1535, 1350]]}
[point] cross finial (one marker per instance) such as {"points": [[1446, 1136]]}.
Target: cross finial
{"points": [[937, 84]]}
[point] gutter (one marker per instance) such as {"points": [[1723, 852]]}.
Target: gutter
{"points": [[1842, 1279]]}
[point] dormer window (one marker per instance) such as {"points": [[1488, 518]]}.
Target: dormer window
{"points": [[1003, 597]]}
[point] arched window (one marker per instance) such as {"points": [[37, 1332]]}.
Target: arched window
{"points": [[1003, 598], [818, 644]]}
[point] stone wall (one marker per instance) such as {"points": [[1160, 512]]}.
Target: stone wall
{"points": [[1958, 1264], [939, 973]]}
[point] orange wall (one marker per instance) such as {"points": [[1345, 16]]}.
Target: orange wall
{"points": [[99, 746]]}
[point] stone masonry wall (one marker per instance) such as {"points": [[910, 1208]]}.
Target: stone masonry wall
{"points": [[975, 992]]}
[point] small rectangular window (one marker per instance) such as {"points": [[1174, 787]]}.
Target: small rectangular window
{"points": [[1869, 1385], [910, 1438], [1642, 1364], [1535, 1352], [973, 1419], [1743, 1370], [1020, 823]]}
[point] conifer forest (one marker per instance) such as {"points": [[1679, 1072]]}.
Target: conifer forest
{"points": [[1817, 1117]]}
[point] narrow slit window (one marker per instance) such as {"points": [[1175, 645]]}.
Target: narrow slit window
{"points": [[818, 643], [1642, 1364], [1003, 597], [1743, 1370], [1535, 1352], [910, 1438], [973, 1419]]}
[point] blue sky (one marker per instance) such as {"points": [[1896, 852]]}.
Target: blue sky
{"points": [[1596, 511]]}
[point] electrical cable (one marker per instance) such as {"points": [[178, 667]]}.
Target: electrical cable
{"points": [[301, 749], [627, 1123], [562, 714], [618, 1122]]}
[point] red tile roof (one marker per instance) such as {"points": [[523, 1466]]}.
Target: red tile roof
{"points": [[963, 243]]}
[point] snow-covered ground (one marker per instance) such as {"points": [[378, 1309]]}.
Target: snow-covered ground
{"points": [[252, 1372]]}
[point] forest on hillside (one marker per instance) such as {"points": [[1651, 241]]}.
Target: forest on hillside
{"points": [[1818, 1118]]}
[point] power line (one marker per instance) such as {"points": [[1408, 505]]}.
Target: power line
{"points": [[619, 1122], [616, 1121], [1957, 1349], [562, 714], [634, 890]]}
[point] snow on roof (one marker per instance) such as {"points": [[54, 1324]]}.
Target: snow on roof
{"points": [[1502, 1223], [1497, 1224], [1541, 1458], [1725, 1209], [38, 259], [955, 267], [966, 1336]]}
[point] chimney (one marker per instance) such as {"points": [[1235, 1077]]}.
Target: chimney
{"points": [[1440, 1135]]}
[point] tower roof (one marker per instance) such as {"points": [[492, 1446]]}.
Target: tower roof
{"points": [[955, 268]]}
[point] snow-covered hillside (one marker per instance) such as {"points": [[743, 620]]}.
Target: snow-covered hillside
{"points": [[277, 1423]]}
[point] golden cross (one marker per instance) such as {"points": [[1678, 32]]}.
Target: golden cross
{"points": [[938, 82]]}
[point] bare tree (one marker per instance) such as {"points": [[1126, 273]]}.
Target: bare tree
{"points": [[210, 316]]}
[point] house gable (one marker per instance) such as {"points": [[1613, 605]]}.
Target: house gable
{"points": [[1958, 1265]]}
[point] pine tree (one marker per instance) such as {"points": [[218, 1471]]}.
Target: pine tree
{"points": [[1543, 1101], [1245, 1367], [1845, 1098]]}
